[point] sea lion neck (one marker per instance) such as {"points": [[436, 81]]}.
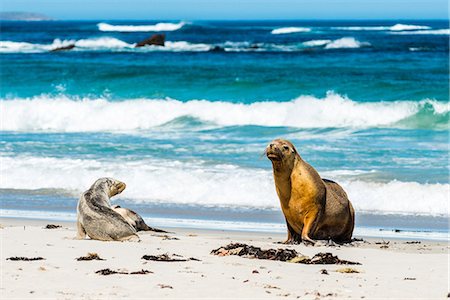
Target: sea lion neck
{"points": [[282, 175], [283, 170]]}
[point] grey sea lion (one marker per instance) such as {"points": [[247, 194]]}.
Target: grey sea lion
{"points": [[134, 219], [97, 219], [314, 208]]}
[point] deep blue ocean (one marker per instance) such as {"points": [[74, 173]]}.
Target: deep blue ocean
{"points": [[185, 125]]}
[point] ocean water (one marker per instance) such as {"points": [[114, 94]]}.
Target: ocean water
{"points": [[185, 126]]}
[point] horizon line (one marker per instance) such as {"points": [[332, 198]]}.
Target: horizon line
{"points": [[250, 20]]}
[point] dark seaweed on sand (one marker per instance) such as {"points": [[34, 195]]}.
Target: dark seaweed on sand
{"points": [[52, 226], [16, 258], [110, 272], [167, 258], [256, 252], [90, 256], [289, 255], [141, 272]]}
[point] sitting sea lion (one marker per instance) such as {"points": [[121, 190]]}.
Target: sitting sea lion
{"points": [[314, 208], [96, 218], [134, 219]]}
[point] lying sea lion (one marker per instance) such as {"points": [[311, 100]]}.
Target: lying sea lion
{"points": [[134, 219], [96, 218], [314, 208]]}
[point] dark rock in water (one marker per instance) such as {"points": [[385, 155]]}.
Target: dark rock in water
{"points": [[64, 48], [156, 39], [288, 255], [15, 258], [254, 46], [217, 49]]}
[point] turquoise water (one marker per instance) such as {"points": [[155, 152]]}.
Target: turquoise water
{"points": [[366, 103]]}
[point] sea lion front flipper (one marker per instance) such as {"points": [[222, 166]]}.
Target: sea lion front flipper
{"points": [[293, 238], [81, 232]]}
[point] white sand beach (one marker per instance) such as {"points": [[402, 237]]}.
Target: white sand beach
{"points": [[398, 270]]}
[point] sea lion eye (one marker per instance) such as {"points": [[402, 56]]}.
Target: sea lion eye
{"points": [[286, 147]]}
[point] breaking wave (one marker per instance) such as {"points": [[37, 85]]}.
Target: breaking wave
{"points": [[65, 114], [345, 42], [171, 181], [396, 27], [103, 43], [140, 28], [420, 32], [116, 45], [286, 30]]}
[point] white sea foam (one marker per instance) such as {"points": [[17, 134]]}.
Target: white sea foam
{"points": [[425, 32], [316, 43], [140, 28], [181, 46], [345, 42], [171, 181], [103, 43], [342, 43], [64, 114], [12, 47], [286, 30], [396, 27], [117, 45]]}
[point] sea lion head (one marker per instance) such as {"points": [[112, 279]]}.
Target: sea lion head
{"points": [[111, 186], [282, 153]]}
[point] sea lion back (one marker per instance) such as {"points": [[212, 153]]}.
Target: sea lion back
{"points": [[97, 219]]}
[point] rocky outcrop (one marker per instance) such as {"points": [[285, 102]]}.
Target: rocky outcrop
{"points": [[63, 48], [156, 39]]}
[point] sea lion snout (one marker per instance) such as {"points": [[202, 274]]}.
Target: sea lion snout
{"points": [[278, 149], [117, 187], [273, 152], [120, 186]]}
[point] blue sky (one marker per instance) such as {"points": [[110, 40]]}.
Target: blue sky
{"points": [[232, 9]]}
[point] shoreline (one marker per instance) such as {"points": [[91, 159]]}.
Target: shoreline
{"points": [[389, 268], [373, 231]]}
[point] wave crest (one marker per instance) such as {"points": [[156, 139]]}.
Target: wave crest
{"points": [[286, 30], [113, 44], [103, 43], [64, 114], [424, 32], [140, 28], [396, 27]]}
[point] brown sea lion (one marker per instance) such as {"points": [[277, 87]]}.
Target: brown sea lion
{"points": [[134, 219], [314, 208], [97, 219]]}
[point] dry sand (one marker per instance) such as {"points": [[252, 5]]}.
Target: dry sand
{"points": [[397, 271]]}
